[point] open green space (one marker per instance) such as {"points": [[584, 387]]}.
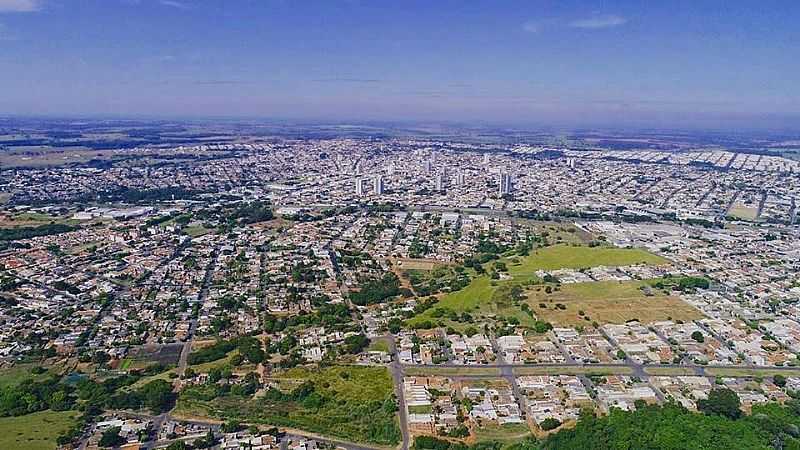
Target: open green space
{"points": [[608, 302], [14, 375], [479, 297], [355, 403], [585, 370], [511, 432], [451, 371], [580, 257], [36, 431], [751, 372]]}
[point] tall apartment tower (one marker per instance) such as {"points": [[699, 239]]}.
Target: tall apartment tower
{"points": [[377, 185], [440, 182], [505, 184], [360, 187]]}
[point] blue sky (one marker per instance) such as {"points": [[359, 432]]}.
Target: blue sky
{"points": [[727, 63]]}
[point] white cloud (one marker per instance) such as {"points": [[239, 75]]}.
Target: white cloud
{"points": [[174, 4], [20, 5], [530, 27], [599, 21]]}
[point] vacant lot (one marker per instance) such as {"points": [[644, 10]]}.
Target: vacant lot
{"points": [[355, 403], [37, 431], [743, 211], [416, 263], [607, 302]]}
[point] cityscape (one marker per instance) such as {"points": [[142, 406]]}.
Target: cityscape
{"points": [[370, 293], [352, 225]]}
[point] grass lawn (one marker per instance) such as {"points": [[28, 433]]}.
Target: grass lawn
{"points": [[37, 431], [586, 370], [502, 433], [12, 376], [354, 403], [378, 345], [477, 296], [572, 257], [196, 230], [608, 302], [420, 409], [670, 371], [751, 372], [451, 371]]}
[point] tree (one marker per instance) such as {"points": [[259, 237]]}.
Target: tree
{"points": [[550, 423], [698, 336], [723, 402], [111, 438], [231, 426], [177, 445], [779, 380], [157, 395]]}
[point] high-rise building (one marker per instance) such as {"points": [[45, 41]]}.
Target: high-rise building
{"points": [[485, 159], [377, 185], [361, 186], [440, 182], [506, 185], [460, 179], [428, 166]]}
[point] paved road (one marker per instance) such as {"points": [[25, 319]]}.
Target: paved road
{"points": [[397, 375], [609, 366]]}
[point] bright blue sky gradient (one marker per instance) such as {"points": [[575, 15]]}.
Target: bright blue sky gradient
{"points": [[733, 63]]}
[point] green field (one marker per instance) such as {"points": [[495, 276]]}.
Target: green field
{"points": [[476, 298], [37, 431], [354, 403], [512, 432], [571, 257], [11, 376]]}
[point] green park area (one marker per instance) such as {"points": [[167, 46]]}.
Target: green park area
{"points": [[485, 297], [353, 403], [35, 431]]}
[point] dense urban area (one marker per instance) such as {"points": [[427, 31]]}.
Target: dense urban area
{"points": [[320, 292]]}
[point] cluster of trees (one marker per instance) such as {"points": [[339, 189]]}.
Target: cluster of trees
{"points": [[19, 233], [32, 396], [253, 212], [212, 353], [377, 291], [721, 426], [328, 315], [433, 443], [250, 349], [682, 284]]}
